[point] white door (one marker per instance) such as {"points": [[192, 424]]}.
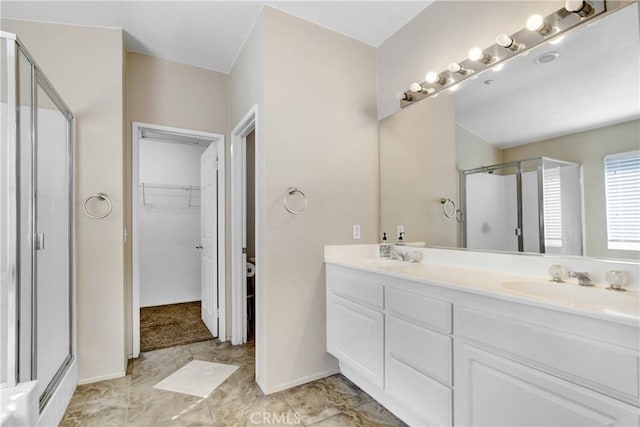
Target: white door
{"points": [[209, 238]]}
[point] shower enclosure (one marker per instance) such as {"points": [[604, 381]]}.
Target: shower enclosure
{"points": [[36, 230], [532, 205]]}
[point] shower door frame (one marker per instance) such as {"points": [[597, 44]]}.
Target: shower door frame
{"points": [[16, 373], [518, 165], [39, 80]]}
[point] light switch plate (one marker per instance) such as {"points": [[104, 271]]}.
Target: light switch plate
{"points": [[356, 232]]}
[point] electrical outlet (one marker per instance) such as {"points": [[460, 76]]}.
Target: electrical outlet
{"points": [[400, 229], [356, 232]]}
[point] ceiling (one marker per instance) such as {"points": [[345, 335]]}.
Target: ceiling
{"points": [[210, 34], [593, 82]]}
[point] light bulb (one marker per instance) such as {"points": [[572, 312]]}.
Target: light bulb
{"points": [[417, 87], [477, 54], [454, 67], [507, 42], [433, 77], [536, 23], [403, 96], [579, 7]]}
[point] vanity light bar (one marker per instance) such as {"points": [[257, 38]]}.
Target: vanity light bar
{"points": [[575, 13]]}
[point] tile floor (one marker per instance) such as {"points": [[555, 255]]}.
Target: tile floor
{"points": [[132, 401]]}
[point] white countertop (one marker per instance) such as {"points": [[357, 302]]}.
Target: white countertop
{"points": [[619, 307]]}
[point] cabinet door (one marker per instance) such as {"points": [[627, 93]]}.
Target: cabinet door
{"points": [[494, 391], [355, 336]]}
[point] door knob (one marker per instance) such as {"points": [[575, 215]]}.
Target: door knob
{"points": [[198, 246]]}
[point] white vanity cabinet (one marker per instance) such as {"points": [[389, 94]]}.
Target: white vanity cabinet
{"points": [[436, 355], [518, 365], [393, 342], [494, 391], [418, 352], [355, 322]]}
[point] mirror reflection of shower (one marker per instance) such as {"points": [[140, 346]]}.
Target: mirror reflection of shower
{"points": [[532, 205]]}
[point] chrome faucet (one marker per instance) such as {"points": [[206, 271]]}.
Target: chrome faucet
{"points": [[414, 256], [400, 256], [584, 279]]}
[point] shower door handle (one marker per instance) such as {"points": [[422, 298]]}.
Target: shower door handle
{"points": [[39, 243]]}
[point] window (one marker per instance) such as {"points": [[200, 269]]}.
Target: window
{"points": [[622, 184], [552, 207]]}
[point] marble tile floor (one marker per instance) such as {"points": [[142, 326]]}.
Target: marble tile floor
{"points": [[132, 401]]}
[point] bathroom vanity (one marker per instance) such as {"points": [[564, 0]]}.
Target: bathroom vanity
{"points": [[449, 345]]}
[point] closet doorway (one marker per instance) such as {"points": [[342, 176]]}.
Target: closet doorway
{"points": [[178, 225]]}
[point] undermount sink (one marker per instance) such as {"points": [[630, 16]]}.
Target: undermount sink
{"points": [[386, 262], [574, 295]]}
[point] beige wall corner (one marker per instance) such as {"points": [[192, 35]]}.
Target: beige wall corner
{"points": [[167, 93], [85, 66], [321, 135], [246, 90]]}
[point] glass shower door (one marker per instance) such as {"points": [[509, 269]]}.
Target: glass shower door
{"points": [[491, 206], [52, 241]]}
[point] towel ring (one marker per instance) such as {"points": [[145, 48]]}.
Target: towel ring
{"points": [[448, 207], [290, 192], [101, 197]]}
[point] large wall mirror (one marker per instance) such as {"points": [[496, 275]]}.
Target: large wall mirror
{"points": [[539, 154]]}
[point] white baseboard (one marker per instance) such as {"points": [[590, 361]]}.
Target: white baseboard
{"points": [[299, 381], [102, 378]]}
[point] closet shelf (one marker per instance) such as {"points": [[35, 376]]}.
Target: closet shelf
{"points": [[188, 189]]}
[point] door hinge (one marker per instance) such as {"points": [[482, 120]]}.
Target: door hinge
{"points": [[244, 251], [217, 313]]}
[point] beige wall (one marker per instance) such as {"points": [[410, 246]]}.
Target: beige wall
{"points": [[320, 134], [444, 32], [417, 168], [167, 93], [473, 151], [589, 149], [85, 65]]}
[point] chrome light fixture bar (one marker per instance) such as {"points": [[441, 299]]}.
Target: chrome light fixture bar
{"points": [[574, 14]]}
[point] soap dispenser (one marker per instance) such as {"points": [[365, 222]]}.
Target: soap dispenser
{"points": [[385, 247], [400, 241]]}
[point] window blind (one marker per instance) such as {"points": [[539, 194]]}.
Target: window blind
{"points": [[552, 203], [622, 185]]}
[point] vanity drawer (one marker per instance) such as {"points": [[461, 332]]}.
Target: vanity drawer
{"points": [[427, 351], [420, 309], [593, 364], [427, 398], [356, 286]]}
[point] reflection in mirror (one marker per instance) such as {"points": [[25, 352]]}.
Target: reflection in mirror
{"points": [[531, 138]]}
